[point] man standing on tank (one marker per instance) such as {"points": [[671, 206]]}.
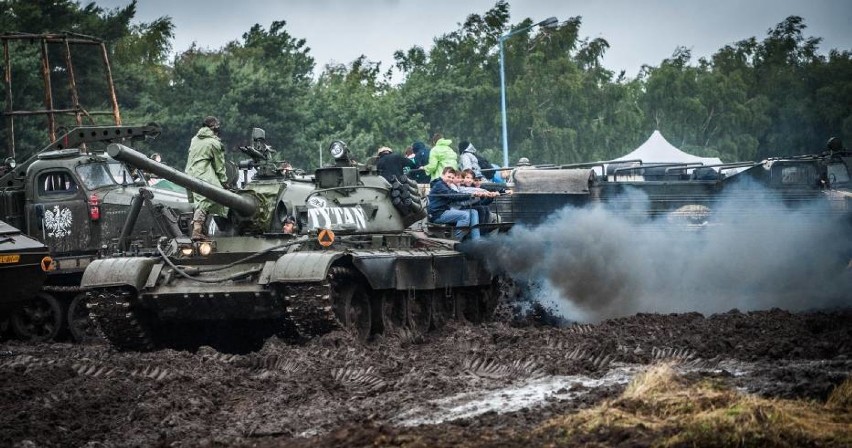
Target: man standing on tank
{"points": [[206, 162], [391, 165]]}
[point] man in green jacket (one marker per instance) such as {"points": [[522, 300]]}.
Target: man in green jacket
{"points": [[206, 162], [440, 157]]}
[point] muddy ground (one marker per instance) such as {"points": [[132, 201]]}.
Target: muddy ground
{"points": [[474, 385]]}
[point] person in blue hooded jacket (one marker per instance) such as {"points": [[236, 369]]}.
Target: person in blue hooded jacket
{"points": [[421, 159]]}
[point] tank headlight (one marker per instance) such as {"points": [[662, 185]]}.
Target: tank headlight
{"points": [[337, 149], [205, 248], [186, 251]]}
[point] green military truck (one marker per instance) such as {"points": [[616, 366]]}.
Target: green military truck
{"points": [[76, 203]]}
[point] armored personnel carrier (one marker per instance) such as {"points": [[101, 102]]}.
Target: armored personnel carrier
{"points": [[351, 263]]}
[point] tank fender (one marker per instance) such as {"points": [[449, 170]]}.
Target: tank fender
{"points": [[109, 272], [403, 270], [378, 268], [300, 267]]}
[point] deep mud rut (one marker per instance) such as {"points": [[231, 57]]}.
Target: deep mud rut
{"points": [[461, 385]]}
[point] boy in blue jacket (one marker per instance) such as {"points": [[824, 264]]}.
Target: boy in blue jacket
{"points": [[441, 197]]}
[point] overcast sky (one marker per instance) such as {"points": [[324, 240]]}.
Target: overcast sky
{"points": [[639, 31]]}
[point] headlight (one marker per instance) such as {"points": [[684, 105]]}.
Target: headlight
{"points": [[186, 251], [205, 248], [337, 149]]}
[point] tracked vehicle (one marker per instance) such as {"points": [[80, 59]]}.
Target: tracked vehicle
{"points": [[352, 264], [691, 193]]}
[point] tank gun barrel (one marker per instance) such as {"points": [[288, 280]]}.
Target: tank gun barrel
{"points": [[244, 205]]}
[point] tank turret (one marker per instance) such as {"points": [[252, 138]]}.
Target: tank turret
{"points": [[344, 197]]}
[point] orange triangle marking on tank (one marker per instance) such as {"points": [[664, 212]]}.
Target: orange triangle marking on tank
{"points": [[325, 237]]}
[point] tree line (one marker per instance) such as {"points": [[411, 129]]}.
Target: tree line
{"points": [[759, 97]]}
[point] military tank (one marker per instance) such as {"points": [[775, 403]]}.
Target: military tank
{"points": [[351, 264]]}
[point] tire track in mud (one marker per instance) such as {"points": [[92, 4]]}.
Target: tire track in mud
{"points": [[283, 391], [29, 364]]}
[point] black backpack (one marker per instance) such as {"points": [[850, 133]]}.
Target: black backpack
{"points": [[484, 164]]}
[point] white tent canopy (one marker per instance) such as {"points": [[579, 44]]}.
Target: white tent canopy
{"points": [[658, 150]]}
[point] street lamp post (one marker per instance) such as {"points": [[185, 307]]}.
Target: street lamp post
{"points": [[550, 21]]}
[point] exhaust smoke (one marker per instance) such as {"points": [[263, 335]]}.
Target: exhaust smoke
{"points": [[610, 260]]}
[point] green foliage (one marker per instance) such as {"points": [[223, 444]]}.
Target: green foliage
{"points": [[752, 99]]}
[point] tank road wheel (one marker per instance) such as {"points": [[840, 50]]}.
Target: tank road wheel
{"points": [[490, 297], [39, 319], [80, 324], [351, 302], [443, 307], [393, 312], [419, 313], [125, 326], [468, 305]]}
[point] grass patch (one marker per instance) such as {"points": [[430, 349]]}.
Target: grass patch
{"points": [[841, 396], [659, 408]]}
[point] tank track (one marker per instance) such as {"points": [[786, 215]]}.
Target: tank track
{"points": [[310, 308], [113, 311]]}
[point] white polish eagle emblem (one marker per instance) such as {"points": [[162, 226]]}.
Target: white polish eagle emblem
{"points": [[57, 222]]}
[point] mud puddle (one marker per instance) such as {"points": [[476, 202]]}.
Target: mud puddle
{"points": [[543, 391], [513, 398]]}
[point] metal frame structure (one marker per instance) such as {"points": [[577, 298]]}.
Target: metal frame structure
{"points": [[67, 40]]}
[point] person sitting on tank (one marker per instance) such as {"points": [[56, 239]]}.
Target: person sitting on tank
{"points": [[479, 204], [441, 198], [468, 159], [290, 226], [457, 186], [391, 165], [496, 187]]}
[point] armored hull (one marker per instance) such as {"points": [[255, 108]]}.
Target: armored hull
{"points": [[75, 203], [294, 288]]}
